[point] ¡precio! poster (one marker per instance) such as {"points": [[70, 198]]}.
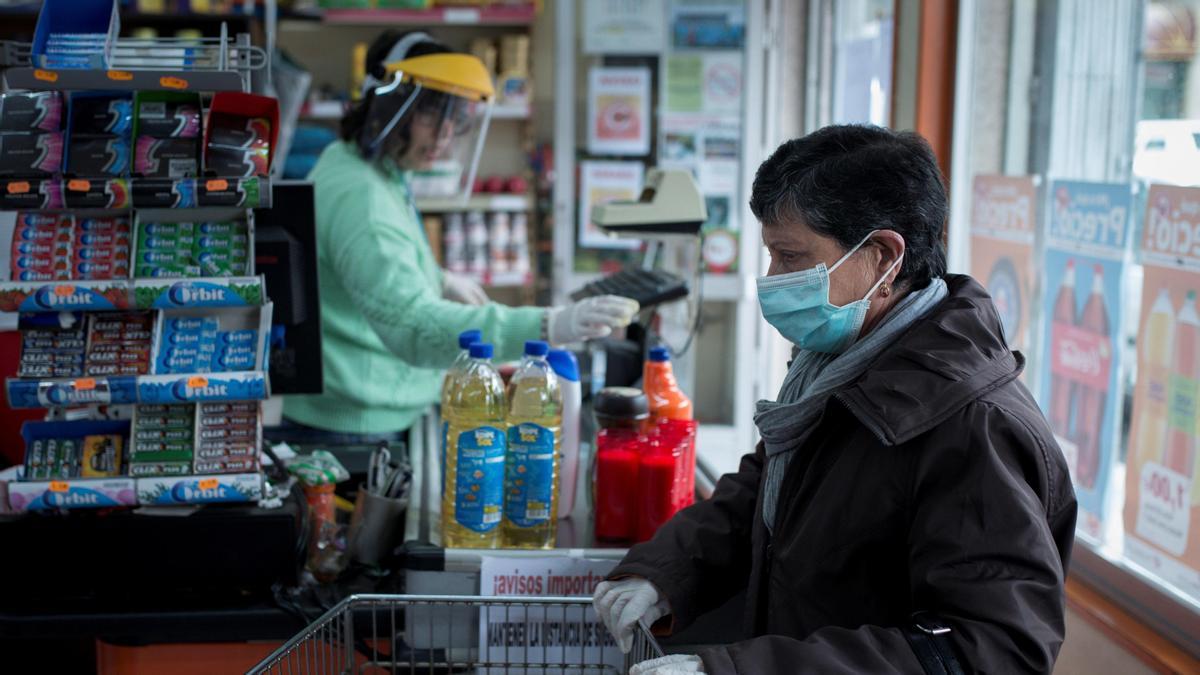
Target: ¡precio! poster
{"points": [[1162, 495], [1003, 222], [1081, 331]]}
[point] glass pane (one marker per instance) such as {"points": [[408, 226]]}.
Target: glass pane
{"points": [[862, 81]]}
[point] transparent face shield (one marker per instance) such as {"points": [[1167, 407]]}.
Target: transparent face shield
{"points": [[433, 134]]}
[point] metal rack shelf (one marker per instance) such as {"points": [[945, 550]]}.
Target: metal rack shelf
{"points": [[160, 64], [58, 194]]}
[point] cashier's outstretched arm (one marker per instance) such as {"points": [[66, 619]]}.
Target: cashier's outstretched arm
{"points": [[377, 264]]}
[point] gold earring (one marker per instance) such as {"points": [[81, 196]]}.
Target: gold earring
{"points": [[885, 290]]}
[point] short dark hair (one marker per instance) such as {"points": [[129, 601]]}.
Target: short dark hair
{"points": [[356, 118], [845, 180]]}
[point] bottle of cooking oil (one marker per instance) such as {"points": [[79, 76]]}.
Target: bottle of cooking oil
{"points": [[534, 437], [450, 385], [474, 477]]}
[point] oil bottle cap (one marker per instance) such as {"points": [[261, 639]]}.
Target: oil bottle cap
{"points": [[536, 348], [660, 354], [481, 350], [469, 337]]}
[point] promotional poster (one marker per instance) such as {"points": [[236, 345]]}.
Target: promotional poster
{"points": [[1079, 376], [1003, 223], [1162, 495]]}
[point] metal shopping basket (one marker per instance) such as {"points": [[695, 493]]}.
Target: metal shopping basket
{"points": [[443, 634]]}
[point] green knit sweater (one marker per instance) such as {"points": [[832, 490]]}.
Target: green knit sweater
{"points": [[387, 334]]}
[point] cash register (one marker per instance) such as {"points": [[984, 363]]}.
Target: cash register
{"points": [[670, 208]]}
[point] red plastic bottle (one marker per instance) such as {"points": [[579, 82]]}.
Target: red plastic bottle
{"points": [[1092, 400], [671, 420], [1063, 391], [621, 413]]}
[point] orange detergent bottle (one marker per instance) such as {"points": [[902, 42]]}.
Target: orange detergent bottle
{"points": [[667, 402]]}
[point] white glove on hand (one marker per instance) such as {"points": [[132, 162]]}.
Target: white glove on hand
{"points": [[589, 318], [620, 604], [459, 288], [675, 664]]}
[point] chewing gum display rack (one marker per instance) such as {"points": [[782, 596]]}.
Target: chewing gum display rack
{"points": [[237, 303]]}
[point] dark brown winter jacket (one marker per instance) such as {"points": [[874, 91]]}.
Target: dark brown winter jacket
{"points": [[932, 483]]}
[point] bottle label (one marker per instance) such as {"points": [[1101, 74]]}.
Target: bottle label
{"points": [[530, 475], [479, 487], [444, 449]]}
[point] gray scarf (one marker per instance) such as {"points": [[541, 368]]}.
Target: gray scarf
{"points": [[813, 376]]}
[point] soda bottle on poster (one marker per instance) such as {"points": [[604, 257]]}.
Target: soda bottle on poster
{"points": [[1157, 348], [1091, 400], [1062, 390], [1181, 392]]}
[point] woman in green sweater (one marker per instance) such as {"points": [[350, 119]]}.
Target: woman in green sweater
{"points": [[389, 316]]}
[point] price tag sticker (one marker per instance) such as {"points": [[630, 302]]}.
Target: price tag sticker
{"points": [[45, 75], [85, 384], [217, 185], [18, 187], [59, 486], [209, 483], [64, 290], [120, 75], [1164, 507], [79, 185], [173, 82], [197, 381], [464, 15]]}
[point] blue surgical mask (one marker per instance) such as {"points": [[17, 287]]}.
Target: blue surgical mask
{"points": [[797, 305]]}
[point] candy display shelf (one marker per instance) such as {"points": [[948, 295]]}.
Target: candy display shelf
{"points": [[125, 294], [57, 194], [130, 389]]}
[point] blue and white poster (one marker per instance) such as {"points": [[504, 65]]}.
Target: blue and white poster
{"points": [[1080, 390]]}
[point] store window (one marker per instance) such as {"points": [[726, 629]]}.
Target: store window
{"points": [[1076, 200]]}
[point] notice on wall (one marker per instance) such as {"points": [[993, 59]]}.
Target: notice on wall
{"points": [[709, 83], [710, 147], [1003, 223], [708, 24], [619, 111], [600, 183], [547, 634], [1081, 332], [1162, 494], [624, 26]]}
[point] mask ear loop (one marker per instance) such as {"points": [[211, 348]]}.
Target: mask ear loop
{"points": [[885, 276], [851, 251]]}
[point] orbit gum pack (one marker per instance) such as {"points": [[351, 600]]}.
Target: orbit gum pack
{"points": [[48, 247]]}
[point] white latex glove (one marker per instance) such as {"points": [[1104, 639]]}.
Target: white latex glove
{"points": [[459, 288], [620, 604], [589, 318], [675, 664]]}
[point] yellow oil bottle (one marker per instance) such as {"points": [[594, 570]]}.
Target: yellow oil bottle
{"points": [[534, 436], [473, 493]]}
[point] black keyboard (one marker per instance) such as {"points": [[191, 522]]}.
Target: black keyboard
{"points": [[648, 287]]}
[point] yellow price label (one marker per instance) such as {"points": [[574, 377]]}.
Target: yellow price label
{"points": [[120, 75], [79, 185], [45, 75], [217, 185], [173, 82], [18, 187], [209, 483], [197, 381], [59, 486], [85, 384]]}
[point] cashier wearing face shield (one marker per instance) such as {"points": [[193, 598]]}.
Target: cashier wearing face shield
{"points": [[908, 509], [390, 318]]}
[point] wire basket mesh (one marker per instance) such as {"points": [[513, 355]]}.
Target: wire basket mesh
{"points": [[432, 634]]}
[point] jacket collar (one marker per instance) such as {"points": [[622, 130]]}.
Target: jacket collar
{"points": [[946, 360]]}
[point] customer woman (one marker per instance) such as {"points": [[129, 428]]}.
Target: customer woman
{"points": [[907, 509], [389, 316]]}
